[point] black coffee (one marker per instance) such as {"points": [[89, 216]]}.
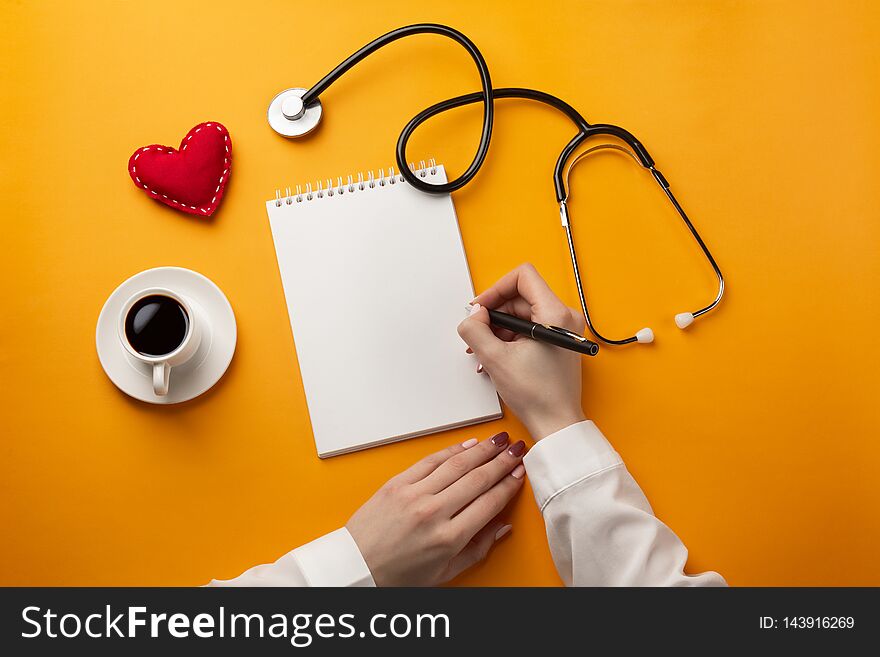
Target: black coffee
{"points": [[156, 325]]}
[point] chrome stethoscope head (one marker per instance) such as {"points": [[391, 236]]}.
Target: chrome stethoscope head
{"points": [[290, 117], [682, 320]]}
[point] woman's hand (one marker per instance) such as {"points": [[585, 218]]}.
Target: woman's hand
{"points": [[540, 383], [439, 517]]}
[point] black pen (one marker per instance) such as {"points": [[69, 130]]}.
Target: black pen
{"points": [[554, 335]]}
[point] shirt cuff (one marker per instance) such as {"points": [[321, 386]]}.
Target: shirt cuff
{"points": [[566, 458], [333, 560]]}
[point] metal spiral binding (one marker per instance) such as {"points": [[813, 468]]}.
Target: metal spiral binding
{"points": [[373, 180]]}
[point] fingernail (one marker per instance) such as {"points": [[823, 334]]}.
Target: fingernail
{"points": [[519, 472], [470, 442], [468, 351], [479, 368], [474, 308], [501, 439], [504, 531], [517, 449]]}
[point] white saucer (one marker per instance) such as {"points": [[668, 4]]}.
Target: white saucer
{"points": [[195, 376]]}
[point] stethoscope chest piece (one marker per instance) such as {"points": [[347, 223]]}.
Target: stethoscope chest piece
{"points": [[289, 118]]}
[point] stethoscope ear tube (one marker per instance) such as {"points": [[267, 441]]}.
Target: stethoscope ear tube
{"points": [[682, 320], [641, 153]]}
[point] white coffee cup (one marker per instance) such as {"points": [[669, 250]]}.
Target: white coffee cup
{"points": [[161, 364]]}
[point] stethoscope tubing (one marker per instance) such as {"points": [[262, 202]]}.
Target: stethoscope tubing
{"points": [[690, 226], [505, 92], [486, 95]]}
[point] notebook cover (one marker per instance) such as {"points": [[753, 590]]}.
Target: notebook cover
{"points": [[375, 282]]}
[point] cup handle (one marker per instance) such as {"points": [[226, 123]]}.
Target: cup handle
{"points": [[161, 372]]}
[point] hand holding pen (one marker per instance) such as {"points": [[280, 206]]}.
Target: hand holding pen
{"points": [[541, 383]]}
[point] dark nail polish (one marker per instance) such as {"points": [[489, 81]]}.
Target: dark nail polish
{"points": [[517, 449], [501, 439]]}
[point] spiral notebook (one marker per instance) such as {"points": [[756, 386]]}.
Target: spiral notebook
{"points": [[375, 279]]}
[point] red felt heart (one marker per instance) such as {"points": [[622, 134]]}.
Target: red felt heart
{"points": [[191, 179]]}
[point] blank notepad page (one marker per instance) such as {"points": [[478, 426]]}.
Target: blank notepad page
{"points": [[376, 282]]}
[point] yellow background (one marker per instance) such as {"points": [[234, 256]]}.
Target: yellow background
{"points": [[754, 433]]}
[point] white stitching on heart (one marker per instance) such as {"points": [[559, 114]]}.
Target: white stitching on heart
{"points": [[167, 150]]}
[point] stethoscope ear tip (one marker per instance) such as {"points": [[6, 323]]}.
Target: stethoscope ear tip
{"points": [[683, 320], [645, 336]]}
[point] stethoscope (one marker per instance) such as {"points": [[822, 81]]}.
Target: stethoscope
{"points": [[296, 112]]}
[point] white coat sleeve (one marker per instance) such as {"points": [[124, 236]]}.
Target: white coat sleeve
{"points": [[332, 560], [601, 529]]}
